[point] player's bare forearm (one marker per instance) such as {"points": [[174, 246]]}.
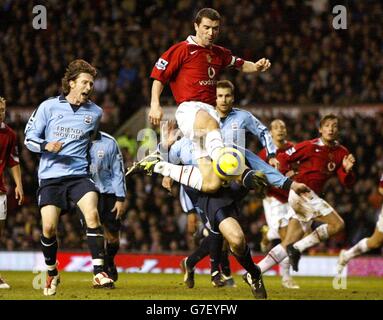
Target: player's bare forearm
{"points": [[260, 66], [156, 112], [16, 175]]}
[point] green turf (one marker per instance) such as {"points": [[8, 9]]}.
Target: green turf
{"points": [[170, 286]]}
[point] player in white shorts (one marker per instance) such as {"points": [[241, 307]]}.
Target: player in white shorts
{"points": [[366, 244], [275, 204], [192, 68], [317, 160]]}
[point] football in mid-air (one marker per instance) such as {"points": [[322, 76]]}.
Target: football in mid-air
{"points": [[229, 164]]}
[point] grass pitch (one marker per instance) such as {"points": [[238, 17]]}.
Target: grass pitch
{"points": [[78, 286]]}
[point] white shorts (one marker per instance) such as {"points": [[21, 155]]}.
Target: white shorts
{"points": [[185, 201], [185, 116], [308, 208], [277, 216], [379, 224], [3, 206]]}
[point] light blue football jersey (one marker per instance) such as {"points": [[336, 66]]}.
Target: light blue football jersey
{"points": [[55, 120]]}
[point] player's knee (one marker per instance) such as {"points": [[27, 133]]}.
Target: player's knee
{"points": [[237, 243], [338, 226], [205, 121], [211, 185], [49, 231], [374, 243], [92, 219]]}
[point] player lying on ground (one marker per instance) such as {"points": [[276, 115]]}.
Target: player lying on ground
{"points": [[366, 244]]}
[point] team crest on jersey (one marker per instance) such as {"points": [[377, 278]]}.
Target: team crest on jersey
{"points": [[331, 166], [100, 154], [209, 58], [234, 125], [211, 72], [88, 119], [161, 64]]}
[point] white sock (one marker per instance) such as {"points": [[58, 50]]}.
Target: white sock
{"points": [[275, 256], [284, 268], [318, 235], [214, 143], [357, 250], [187, 175]]}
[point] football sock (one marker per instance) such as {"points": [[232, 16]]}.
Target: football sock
{"points": [[284, 268], [215, 251], [49, 248], [186, 175], [95, 237], [357, 250], [214, 143], [225, 264], [318, 235], [111, 251], [201, 252], [275, 256], [248, 264]]}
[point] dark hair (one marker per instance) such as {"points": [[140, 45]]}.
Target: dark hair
{"points": [[207, 13], [74, 69], [2, 100], [329, 116], [226, 84]]}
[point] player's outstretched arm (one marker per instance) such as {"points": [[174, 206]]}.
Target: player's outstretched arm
{"points": [[156, 112], [260, 66]]}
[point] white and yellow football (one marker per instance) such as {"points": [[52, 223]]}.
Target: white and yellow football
{"points": [[229, 164]]}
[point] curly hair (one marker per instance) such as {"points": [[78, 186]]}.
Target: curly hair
{"points": [[74, 69]]}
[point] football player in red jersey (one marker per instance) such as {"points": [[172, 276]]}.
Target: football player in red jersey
{"points": [[318, 159], [8, 158], [366, 244], [275, 204], [191, 68]]}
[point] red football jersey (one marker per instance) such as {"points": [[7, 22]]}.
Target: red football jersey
{"points": [[317, 163], [280, 194], [8, 152], [192, 71]]}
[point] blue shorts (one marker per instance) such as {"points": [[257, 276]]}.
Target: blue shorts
{"points": [[60, 192]]}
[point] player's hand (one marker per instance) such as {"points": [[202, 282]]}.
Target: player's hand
{"points": [[274, 162], [54, 146], [170, 133], [167, 183], [262, 65], [300, 188], [119, 208], [19, 195], [155, 114], [348, 162]]}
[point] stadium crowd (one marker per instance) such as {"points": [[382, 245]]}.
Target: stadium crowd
{"points": [[155, 222], [311, 64]]}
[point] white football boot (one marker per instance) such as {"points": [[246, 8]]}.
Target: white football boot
{"points": [[102, 280], [51, 285]]}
